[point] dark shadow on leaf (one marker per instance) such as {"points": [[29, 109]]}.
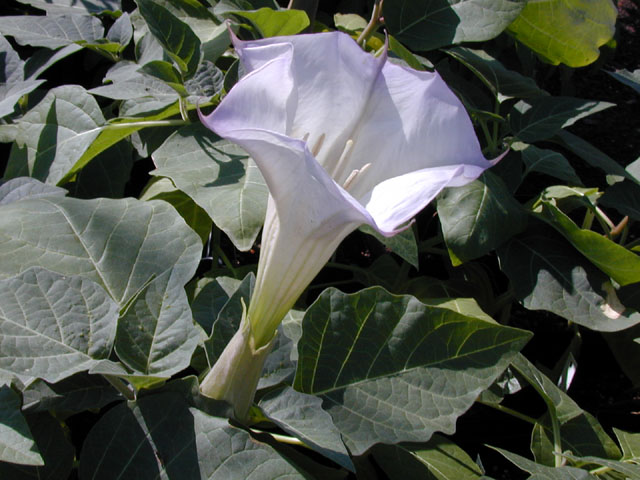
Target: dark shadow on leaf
{"points": [[47, 145]]}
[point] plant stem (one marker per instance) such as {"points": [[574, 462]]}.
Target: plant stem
{"points": [[126, 390], [146, 123], [509, 411], [373, 24], [283, 438]]}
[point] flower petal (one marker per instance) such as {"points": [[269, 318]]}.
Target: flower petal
{"points": [[333, 79], [254, 102], [413, 121]]}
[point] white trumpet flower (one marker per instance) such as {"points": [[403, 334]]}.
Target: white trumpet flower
{"points": [[342, 139]]}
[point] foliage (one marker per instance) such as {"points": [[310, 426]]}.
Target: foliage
{"points": [[129, 236]]}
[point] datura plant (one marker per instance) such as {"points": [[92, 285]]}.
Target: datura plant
{"points": [[343, 139], [354, 240]]}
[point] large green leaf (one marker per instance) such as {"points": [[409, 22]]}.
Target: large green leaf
{"points": [[439, 459], [220, 177], [74, 394], [51, 31], [544, 472], [478, 217], [16, 443], [301, 415], [391, 369], [615, 260], [26, 187], [196, 217], [52, 326], [54, 135], [547, 274], [176, 36], [271, 23], [56, 450], [541, 118], [160, 436], [427, 24], [141, 253], [592, 155], [13, 84], [73, 6], [580, 432], [502, 81], [549, 162], [566, 31]]}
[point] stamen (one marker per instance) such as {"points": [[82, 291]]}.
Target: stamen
{"points": [[353, 175], [318, 145], [305, 137], [346, 153]]}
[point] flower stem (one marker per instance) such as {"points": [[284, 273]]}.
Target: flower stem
{"points": [[373, 24], [235, 375], [126, 390]]}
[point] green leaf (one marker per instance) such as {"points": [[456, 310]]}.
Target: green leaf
{"points": [[141, 253], [592, 155], [541, 118], [566, 31], [106, 175], [61, 7], [16, 443], [220, 177], [544, 472], [301, 415], [160, 436], [547, 274], [500, 80], [580, 432], [196, 217], [427, 25], [629, 470], [624, 197], [272, 23], [467, 215], [52, 326], [57, 453], [175, 36], [439, 459], [616, 261], [51, 31], [166, 72], [349, 22], [631, 79], [26, 187], [121, 32], [55, 134], [403, 244], [228, 319], [630, 443], [548, 162], [391, 369], [73, 394], [11, 93]]}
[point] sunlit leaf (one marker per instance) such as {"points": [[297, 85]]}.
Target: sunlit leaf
{"points": [[141, 253], [16, 442], [160, 436], [271, 23], [391, 369], [220, 177], [51, 31], [427, 25], [541, 118], [547, 274], [566, 31], [478, 217]]}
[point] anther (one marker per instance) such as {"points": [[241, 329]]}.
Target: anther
{"points": [[353, 175], [318, 145]]}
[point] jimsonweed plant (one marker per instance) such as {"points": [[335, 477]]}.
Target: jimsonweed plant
{"points": [[243, 239]]}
